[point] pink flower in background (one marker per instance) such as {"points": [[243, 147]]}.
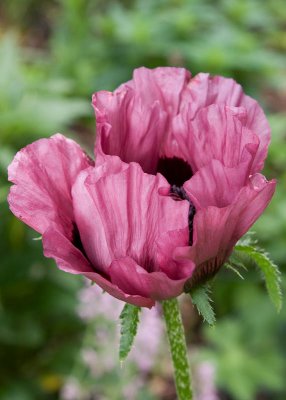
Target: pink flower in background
{"points": [[97, 306], [175, 184], [71, 390], [205, 381], [148, 340]]}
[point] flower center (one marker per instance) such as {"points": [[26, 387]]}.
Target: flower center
{"points": [[175, 170]]}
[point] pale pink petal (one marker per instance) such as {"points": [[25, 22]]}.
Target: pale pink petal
{"points": [[134, 121], [216, 230], [43, 174], [252, 201], [71, 259], [68, 257], [128, 128], [165, 84], [216, 185], [216, 132], [131, 278], [205, 90], [122, 214], [166, 246]]}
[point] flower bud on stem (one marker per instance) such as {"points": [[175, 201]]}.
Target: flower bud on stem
{"points": [[178, 348]]}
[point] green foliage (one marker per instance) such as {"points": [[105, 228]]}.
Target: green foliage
{"points": [[31, 106], [270, 272], [244, 342], [223, 37], [61, 52], [129, 319], [245, 254], [201, 299]]}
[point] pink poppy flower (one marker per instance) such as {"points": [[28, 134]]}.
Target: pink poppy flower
{"points": [[175, 184]]}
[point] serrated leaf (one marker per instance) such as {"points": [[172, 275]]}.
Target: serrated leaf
{"points": [[234, 269], [200, 298], [129, 319], [269, 269]]}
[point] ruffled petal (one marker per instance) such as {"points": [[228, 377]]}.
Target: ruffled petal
{"points": [[70, 259], [134, 121], [166, 246], [205, 90], [216, 185], [216, 132], [122, 214], [163, 84], [217, 229], [250, 203], [43, 174], [128, 128], [134, 280]]}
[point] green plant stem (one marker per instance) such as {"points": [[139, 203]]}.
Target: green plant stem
{"points": [[177, 342]]}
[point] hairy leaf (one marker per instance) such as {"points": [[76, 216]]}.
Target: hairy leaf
{"points": [[200, 298], [234, 269], [129, 319], [270, 271]]}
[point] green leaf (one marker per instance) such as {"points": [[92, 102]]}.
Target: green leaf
{"points": [[234, 269], [270, 271], [129, 318], [200, 298]]}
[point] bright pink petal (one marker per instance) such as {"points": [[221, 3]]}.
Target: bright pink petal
{"points": [[135, 280], [70, 259], [122, 214], [216, 230], [216, 132], [43, 174], [205, 90]]}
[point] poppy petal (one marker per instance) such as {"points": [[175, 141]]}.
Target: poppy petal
{"points": [[43, 174], [217, 229], [123, 214], [131, 278], [216, 132], [206, 90], [70, 259]]}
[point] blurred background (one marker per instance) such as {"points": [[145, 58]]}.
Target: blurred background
{"points": [[59, 336]]}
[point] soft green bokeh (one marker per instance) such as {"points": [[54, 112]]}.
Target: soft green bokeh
{"points": [[53, 56]]}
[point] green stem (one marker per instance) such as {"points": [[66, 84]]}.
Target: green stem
{"points": [[177, 342]]}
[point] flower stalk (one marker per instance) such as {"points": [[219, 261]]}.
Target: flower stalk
{"points": [[178, 348]]}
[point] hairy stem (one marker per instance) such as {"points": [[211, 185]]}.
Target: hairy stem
{"points": [[178, 348]]}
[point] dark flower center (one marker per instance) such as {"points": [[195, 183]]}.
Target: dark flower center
{"points": [[177, 172]]}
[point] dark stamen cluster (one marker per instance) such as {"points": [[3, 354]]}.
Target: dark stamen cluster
{"points": [[179, 193]]}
